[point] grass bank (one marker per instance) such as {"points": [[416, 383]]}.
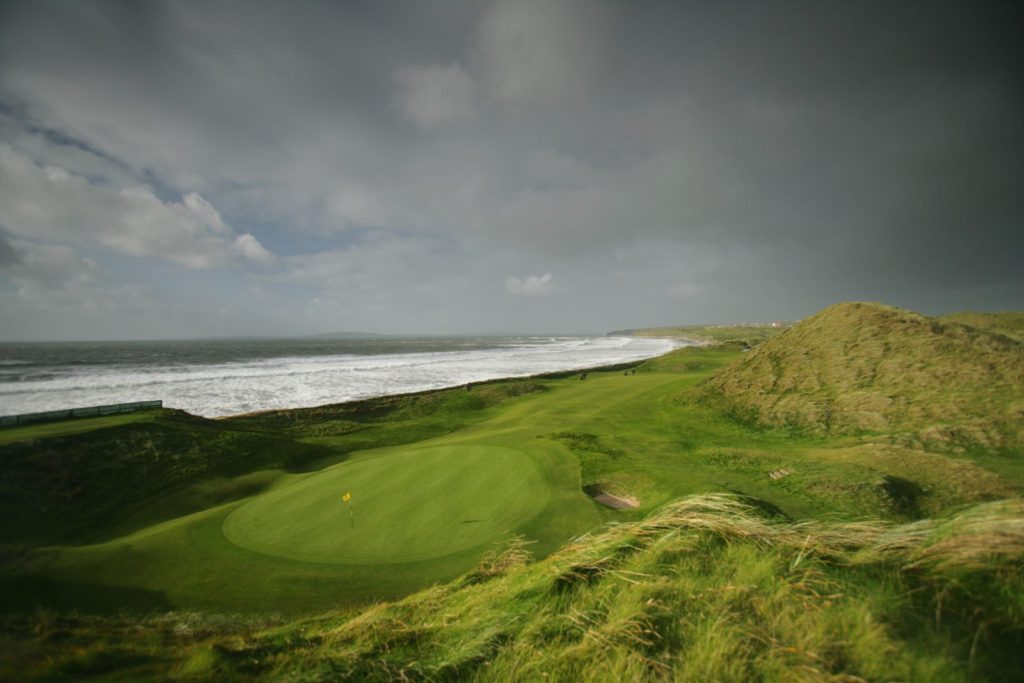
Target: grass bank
{"points": [[707, 588], [170, 546]]}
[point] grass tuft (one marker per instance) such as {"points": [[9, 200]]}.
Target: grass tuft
{"points": [[509, 554], [710, 587]]}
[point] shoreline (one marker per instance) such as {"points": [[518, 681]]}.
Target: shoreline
{"points": [[229, 389], [556, 374]]}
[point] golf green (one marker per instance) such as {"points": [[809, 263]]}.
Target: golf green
{"points": [[407, 505]]}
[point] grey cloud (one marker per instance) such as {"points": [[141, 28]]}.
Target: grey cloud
{"points": [[52, 265], [756, 157], [531, 285], [8, 255], [55, 292], [534, 53], [436, 94]]}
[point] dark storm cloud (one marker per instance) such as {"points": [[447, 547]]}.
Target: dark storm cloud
{"points": [[8, 255], [667, 161], [883, 130]]}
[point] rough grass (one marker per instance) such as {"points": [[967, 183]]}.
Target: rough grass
{"points": [[707, 588], [644, 435], [73, 480], [1008, 323], [846, 551], [69, 486], [856, 368], [44, 430], [159, 542]]}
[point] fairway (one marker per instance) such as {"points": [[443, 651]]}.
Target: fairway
{"points": [[413, 504], [435, 484]]}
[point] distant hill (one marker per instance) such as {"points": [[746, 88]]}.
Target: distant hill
{"points": [[345, 335], [857, 367]]}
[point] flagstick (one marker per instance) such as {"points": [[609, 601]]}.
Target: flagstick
{"points": [[351, 517]]}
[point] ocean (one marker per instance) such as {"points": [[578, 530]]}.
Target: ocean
{"points": [[220, 377]]}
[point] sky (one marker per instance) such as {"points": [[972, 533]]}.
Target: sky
{"points": [[179, 169]]}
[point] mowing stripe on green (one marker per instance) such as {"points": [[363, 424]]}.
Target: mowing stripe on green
{"points": [[412, 505]]}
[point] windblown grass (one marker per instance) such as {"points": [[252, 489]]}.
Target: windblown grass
{"points": [[1008, 323], [859, 367], [868, 558], [707, 588]]}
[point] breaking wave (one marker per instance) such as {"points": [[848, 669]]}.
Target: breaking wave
{"points": [[294, 381]]}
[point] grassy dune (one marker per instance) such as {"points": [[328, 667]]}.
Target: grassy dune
{"points": [[840, 548], [856, 368]]}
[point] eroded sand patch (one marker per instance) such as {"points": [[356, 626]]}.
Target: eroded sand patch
{"points": [[611, 500]]}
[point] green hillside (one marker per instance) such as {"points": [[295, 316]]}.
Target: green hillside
{"points": [[840, 503], [860, 367]]}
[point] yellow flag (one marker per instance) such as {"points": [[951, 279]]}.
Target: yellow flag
{"points": [[347, 497]]}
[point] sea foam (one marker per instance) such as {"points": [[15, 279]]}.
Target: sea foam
{"points": [[214, 390]]}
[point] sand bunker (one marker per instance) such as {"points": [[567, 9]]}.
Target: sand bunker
{"points": [[611, 500]]}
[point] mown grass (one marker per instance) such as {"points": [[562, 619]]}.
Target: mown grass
{"points": [[646, 435], [76, 480], [413, 505], [707, 588], [168, 549], [837, 554]]}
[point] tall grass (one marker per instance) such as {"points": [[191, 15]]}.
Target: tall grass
{"points": [[707, 588], [858, 367]]}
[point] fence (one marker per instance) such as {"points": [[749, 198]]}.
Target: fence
{"points": [[51, 415]]}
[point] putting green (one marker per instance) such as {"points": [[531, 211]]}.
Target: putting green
{"points": [[406, 506]]}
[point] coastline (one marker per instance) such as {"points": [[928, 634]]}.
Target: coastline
{"points": [[245, 382], [557, 374]]}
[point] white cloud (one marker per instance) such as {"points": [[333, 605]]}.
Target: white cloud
{"points": [[430, 95], [49, 203], [205, 211], [531, 285], [251, 249]]}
